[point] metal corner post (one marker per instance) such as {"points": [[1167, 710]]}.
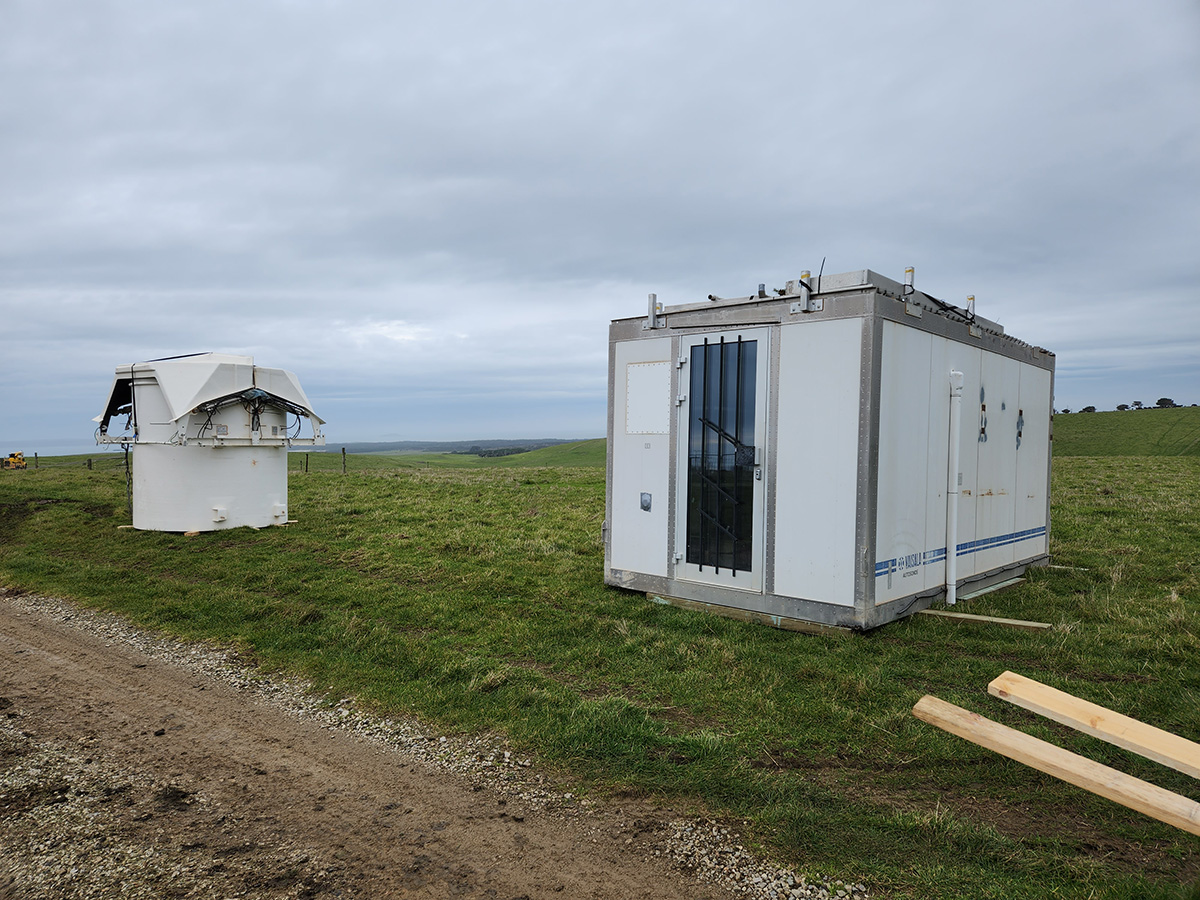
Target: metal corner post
{"points": [[868, 464]]}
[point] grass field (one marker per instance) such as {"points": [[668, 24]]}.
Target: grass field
{"points": [[1142, 432], [578, 453], [468, 592]]}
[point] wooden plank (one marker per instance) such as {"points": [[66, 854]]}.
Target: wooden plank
{"points": [[1152, 743], [991, 620], [991, 588], [1134, 793]]}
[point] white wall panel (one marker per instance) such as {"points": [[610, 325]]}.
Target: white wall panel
{"points": [[996, 511], [904, 477], [641, 459], [820, 365], [179, 488], [648, 398], [947, 356], [1033, 460], [936, 463]]}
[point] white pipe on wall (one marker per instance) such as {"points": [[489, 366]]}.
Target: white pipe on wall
{"points": [[956, 389]]}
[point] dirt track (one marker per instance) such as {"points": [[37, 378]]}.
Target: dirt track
{"points": [[128, 776]]}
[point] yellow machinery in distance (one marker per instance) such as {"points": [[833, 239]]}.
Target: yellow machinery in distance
{"points": [[14, 461]]}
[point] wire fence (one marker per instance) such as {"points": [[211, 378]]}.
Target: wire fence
{"points": [[115, 460], [120, 458]]}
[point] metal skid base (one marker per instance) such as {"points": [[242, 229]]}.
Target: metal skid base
{"points": [[808, 616]]}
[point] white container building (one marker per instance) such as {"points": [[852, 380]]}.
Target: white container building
{"points": [[209, 434], [789, 457]]}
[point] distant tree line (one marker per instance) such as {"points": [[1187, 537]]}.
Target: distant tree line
{"points": [[1163, 403], [493, 451]]}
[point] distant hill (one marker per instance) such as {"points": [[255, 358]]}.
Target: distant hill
{"points": [[439, 446], [1135, 432], [1143, 432], [588, 453], [578, 453]]}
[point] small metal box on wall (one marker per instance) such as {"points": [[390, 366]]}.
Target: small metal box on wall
{"points": [[210, 434], [805, 457]]}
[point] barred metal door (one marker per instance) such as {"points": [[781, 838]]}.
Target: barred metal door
{"points": [[722, 533]]}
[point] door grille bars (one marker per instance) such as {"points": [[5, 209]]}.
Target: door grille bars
{"points": [[721, 455]]}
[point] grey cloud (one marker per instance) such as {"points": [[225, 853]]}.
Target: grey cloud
{"points": [[293, 180]]}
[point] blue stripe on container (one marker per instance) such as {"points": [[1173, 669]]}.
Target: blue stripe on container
{"points": [[883, 567]]}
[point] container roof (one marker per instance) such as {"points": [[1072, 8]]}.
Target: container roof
{"points": [[828, 286]]}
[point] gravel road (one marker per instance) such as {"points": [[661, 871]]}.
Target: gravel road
{"points": [[137, 767]]}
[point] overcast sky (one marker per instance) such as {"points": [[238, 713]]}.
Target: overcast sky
{"points": [[431, 211]]}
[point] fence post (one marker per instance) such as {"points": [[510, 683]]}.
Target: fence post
{"points": [[343, 460], [35, 459], [89, 464], [305, 463]]}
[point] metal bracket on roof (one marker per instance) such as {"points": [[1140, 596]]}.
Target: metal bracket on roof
{"points": [[911, 306], [974, 329], [653, 311], [807, 302]]}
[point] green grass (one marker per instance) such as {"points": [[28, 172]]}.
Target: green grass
{"points": [[1140, 432], [472, 596], [578, 453]]}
